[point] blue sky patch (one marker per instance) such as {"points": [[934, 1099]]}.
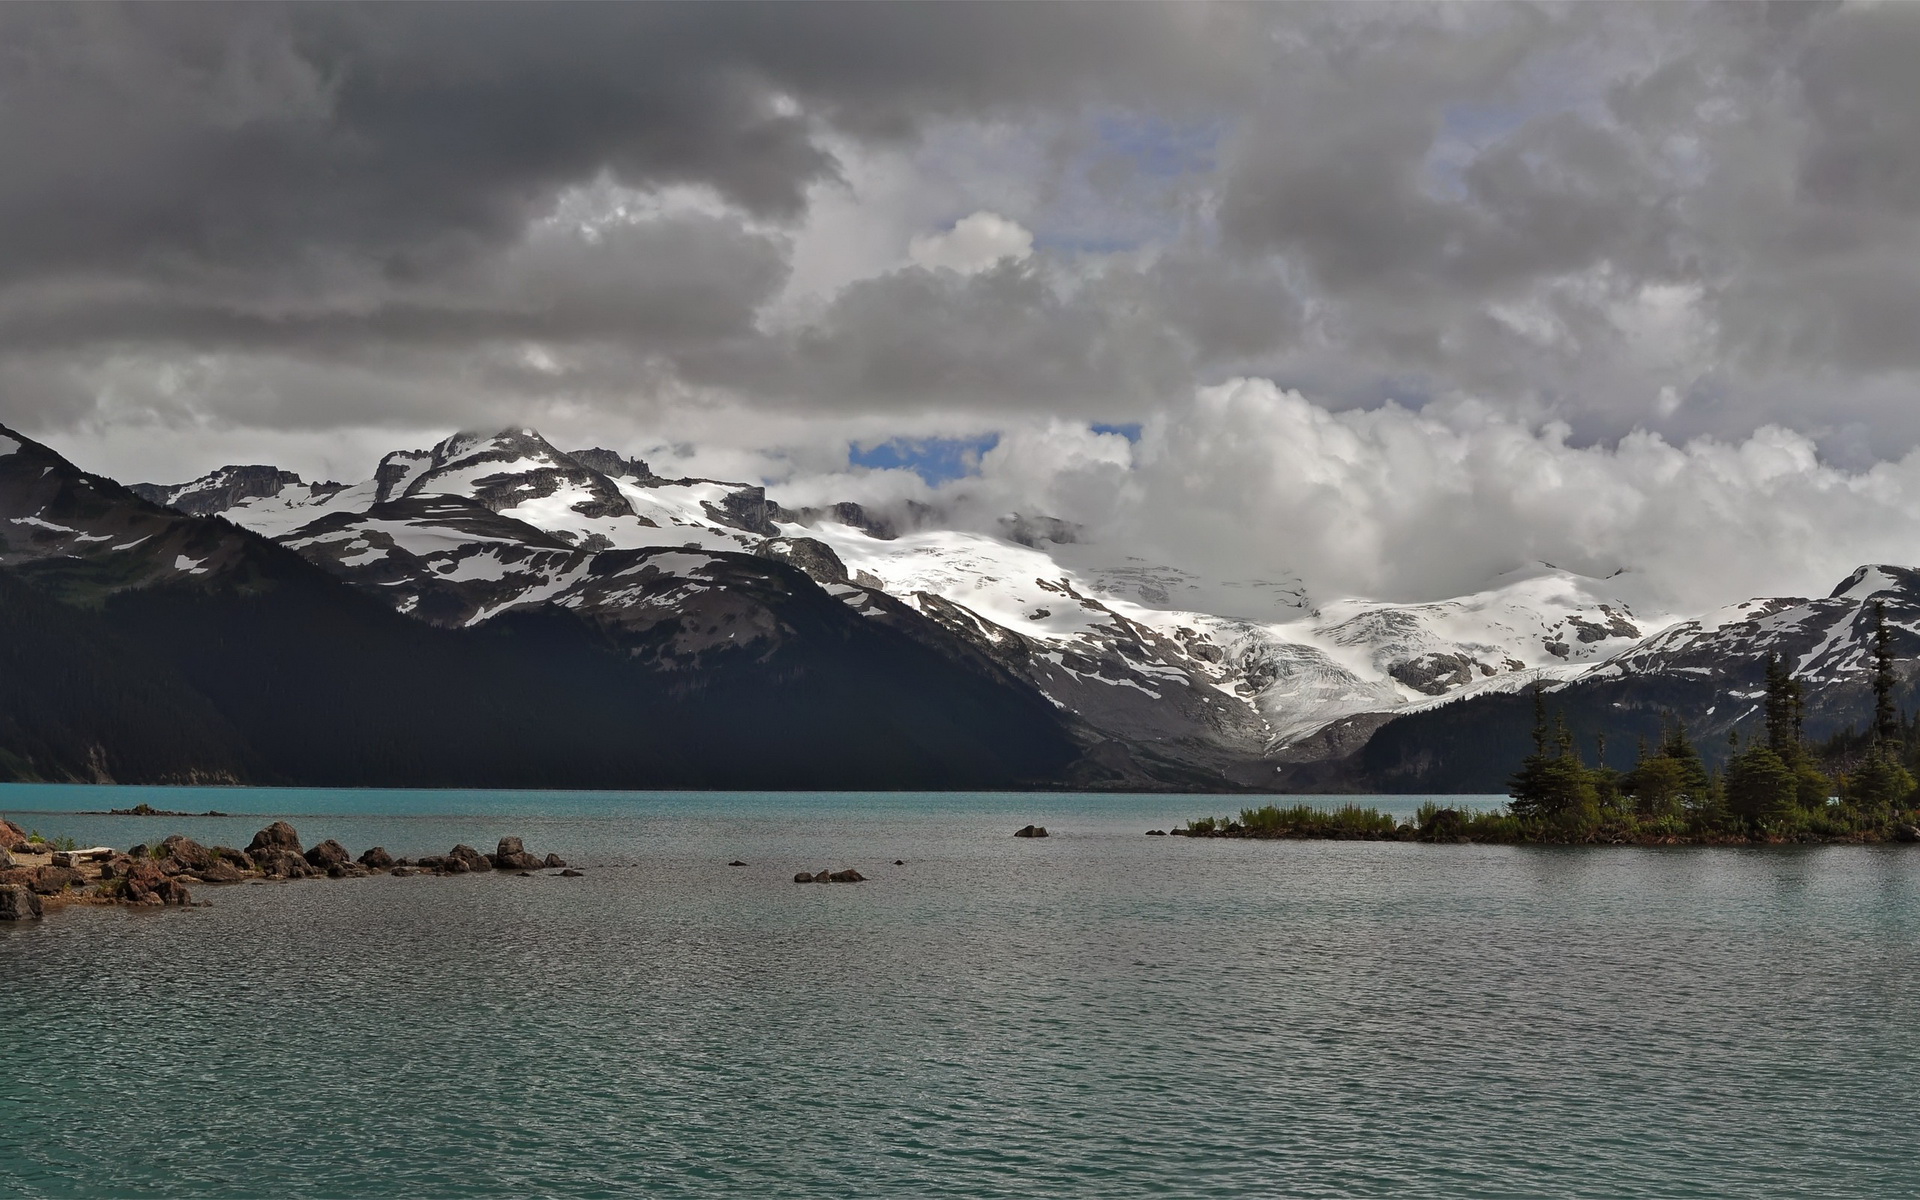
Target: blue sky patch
{"points": [[1129, 431], [936, 460]]}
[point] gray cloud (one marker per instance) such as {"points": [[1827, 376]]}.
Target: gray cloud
{"points": [[1697, 219]]}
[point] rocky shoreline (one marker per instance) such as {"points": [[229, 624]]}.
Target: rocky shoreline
{"points": [[37, 876]]}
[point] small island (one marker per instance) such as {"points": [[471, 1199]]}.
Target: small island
{"points": [[1854, 787], [37, 874]]}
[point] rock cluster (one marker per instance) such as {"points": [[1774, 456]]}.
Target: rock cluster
{"points": [[159, 874], [846, 876]]}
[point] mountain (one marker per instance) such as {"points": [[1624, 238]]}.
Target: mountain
{"points": [[484, 525], [1708, 672], [1147, 675], [144, 644]]}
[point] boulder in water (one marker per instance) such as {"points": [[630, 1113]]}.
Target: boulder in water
{"points": [[377, 859], [511, 855], [468, 859], [1031, 831]]}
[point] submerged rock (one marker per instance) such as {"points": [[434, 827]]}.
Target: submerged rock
{"points": [[1031, 831], [554, 860], [570, 873], [736, 863]]}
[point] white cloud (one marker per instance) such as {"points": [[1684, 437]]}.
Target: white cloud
{"points": [[974, 244], [1401, 504]]}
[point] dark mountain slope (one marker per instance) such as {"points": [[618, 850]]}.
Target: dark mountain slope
{"points": [[234, 656]]}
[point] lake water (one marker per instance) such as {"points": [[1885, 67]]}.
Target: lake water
{"points": [[1096, 1014]]}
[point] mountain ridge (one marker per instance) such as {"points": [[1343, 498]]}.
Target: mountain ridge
{"points": [[483, 528]]}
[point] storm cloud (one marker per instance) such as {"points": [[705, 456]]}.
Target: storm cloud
{"points": [[775, 229]]}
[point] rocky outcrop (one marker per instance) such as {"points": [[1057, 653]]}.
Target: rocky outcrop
{"points": [[51, 881], [328, 855], [511, 855], [1031, 831], [277, 836], [811, 555], [847, 876], [18, 903], [180, 855], [159, 875]]}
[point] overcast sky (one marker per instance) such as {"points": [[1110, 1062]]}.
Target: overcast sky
{"points": [[1397, 296]]}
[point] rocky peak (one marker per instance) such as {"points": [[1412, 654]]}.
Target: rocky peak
{"points": [[1877, 581], [221, 489], [501, 470], [614, 465]]}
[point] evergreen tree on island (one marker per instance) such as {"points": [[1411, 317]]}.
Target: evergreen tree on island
{"points": [[1881, 785], [1553, 788]]}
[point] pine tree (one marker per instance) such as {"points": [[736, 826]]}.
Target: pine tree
{"points": [[1553, 787], [1886, 719]]}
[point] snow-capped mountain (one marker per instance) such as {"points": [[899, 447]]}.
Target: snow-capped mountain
{"points": [[140, 643], [580, 592], [482, 525]]}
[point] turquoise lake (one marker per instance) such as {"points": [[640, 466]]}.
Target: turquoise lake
{"points": [[1094, 1014]]}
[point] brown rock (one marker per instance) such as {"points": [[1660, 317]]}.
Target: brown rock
{"points": [[401, 872], [180, 854], [847, 876], [277, 836], [11, 833], [471, 858], [377, 859], [220, 871], [570, 873], [278, 863], [511, 855], [50, 881], [328, 855], [239, 858], [554, 860], [348, 870], [6, 859]]}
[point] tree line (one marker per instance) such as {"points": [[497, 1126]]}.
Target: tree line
{"points": [[1772, 785]]}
